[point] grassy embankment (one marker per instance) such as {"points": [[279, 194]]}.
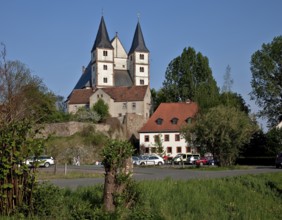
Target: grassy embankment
{"points": [[242, 197]]}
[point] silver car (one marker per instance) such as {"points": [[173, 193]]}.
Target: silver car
{"points": [[150, 160]]}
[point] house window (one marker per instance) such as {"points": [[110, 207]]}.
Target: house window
{"points": [[105, 67], [141, 69], [178, 149], [189, 120], [133, 105], [188, 149], [141, 56], [123, 66], [177, 137], [157, 138], [169, 150], [105, 79], [166, 137], [119, 114], [147, 150], [105, 53], [124, 105], [98, 96], [153, 150], [142, 82], [147, 139], [159, 121], [174, 121]]}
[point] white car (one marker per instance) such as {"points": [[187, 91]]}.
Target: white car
{"points": [[43, 161], [151, 160]]}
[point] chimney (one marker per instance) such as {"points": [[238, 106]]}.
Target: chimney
{"points": [[83, 69]]}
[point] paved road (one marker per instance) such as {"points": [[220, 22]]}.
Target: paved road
{"points": [[154, 173]]}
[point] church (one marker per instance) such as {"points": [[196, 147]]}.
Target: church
{"points": [[121, 79]]}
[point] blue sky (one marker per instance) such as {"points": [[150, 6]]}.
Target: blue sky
{"points": [[54, 38]]}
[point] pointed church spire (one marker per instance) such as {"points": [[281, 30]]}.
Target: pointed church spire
{"points": [[102, 39], [138, 43]]}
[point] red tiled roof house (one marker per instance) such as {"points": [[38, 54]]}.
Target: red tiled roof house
{"points": [[166, 123]]}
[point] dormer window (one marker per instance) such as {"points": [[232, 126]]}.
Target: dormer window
{"points": [[159, 121], [174, 121], [189, 120]]}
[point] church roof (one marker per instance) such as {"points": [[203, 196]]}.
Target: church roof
{"points": [[138, 43], [126, 94], [166, 113], [85, 79], [122, 78], [80, 96], [102, 39]]}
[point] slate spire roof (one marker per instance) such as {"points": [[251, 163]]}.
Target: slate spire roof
{"points": [[138, 43], [102, 39]]}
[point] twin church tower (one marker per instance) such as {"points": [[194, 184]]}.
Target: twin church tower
{"points": [[112, 66]]}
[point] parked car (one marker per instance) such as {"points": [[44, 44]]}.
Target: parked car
{"points": [[278, 161], [150, 160], [212, 162], [42, 161], [185, 158], [193, 158], [135, 160], [201, 161]]}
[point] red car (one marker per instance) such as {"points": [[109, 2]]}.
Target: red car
{"points": [[202, 161]]}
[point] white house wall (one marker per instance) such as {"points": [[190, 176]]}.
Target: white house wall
{"points": [[141, 61], [72, 108], [120, 109], [108, 73], [101, 57], [171, 143]]}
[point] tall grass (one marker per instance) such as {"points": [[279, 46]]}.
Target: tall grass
{"points": [[244, 197]]}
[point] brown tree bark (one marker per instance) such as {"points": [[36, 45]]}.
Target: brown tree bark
{"points": [[109, 189]]}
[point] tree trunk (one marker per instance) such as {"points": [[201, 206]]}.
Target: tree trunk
{"points": [[109, 189]]}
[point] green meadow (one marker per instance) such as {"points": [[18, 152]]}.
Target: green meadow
{"points": [[242, 197]]}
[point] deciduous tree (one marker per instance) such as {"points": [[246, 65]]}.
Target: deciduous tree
{"points": [[222, 131], [266, 68], [189, 76], [21, 94], [102, 109]]}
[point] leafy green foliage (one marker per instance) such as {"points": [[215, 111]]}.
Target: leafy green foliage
{"points": [[87, 115], [222, 131], [189, 76], [17, 181], [117, 159], [266, 67], [234, 100], [102, 109], [274, 141], [22, 95]]}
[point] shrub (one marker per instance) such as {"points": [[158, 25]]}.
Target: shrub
{"points": [[49, 201]]}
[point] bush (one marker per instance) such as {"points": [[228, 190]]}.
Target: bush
{"points": [[49, 201]]}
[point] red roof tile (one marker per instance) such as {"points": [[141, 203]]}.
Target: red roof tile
{"points": [[167, 111], [129, 94], [80, 96]]}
